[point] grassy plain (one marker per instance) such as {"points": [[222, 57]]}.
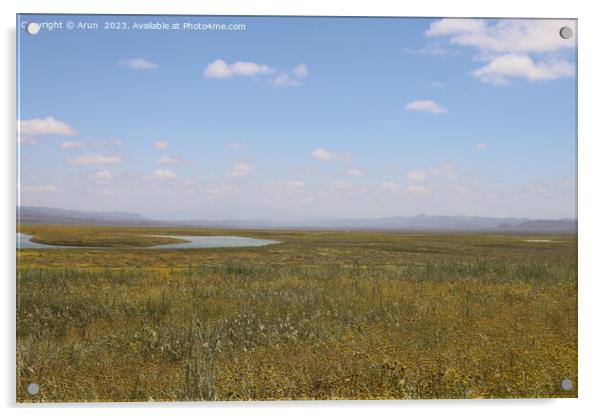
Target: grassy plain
{"points": [[323, 315]]}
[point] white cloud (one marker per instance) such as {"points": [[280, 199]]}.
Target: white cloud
{"points": [[220, 190], [434, 49], [393, 188], [74, 144], [323, 154], [285, 79], [481, 146], [301, 71], [291, 185], [506, 45], [416, 175], [95, 159], [236, 146], [552, 185], [220, 69], [417, 189], [106, 143], [28, 140], [339, 185], [428, 106], [103, 177], [454, 26], [567, 183], [355, 172], [240, 170], [462, 190], [388, 186], [138, 63], [506, 35], [294, 185], [105, 192], [446, 170], [295, 78], [170, 160], [162, 174], [161, 144], [39, 189], [443, 169], [41, 127], [502, 68], [191, 185]]}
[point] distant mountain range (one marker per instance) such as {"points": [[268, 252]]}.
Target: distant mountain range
{"points": [[564, 225], [68, 216], [441, 223]]}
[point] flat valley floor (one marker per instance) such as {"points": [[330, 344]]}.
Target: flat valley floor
{"points": [[323, 315]]}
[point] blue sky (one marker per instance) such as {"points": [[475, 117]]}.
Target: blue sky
{"points": [[295, 118]]}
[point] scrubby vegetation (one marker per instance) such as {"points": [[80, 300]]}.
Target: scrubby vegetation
{"points": [[324, 315]]}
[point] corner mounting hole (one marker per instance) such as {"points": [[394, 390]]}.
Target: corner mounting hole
{"points": [[32, 28], [566, 384], [33, 389], [566, 32]]}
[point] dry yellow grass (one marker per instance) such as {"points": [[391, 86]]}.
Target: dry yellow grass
{"points": [[324, 315]]}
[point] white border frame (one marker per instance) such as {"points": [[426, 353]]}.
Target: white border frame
{"points": [[590, 197]]}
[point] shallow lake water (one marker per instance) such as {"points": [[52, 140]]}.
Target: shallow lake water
{"points": [[24, 241], [204, 241], [192, 241]]}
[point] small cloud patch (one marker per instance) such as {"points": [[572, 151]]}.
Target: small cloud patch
{"points": [[326, 155], [427, 106], [240, 170], [162, 174], [73, 144], [161, 144], [220, 69], [95, 159], [138, 63], [29, 130]]}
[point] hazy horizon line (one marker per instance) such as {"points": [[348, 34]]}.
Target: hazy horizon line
{"points": [[314, 218]]}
